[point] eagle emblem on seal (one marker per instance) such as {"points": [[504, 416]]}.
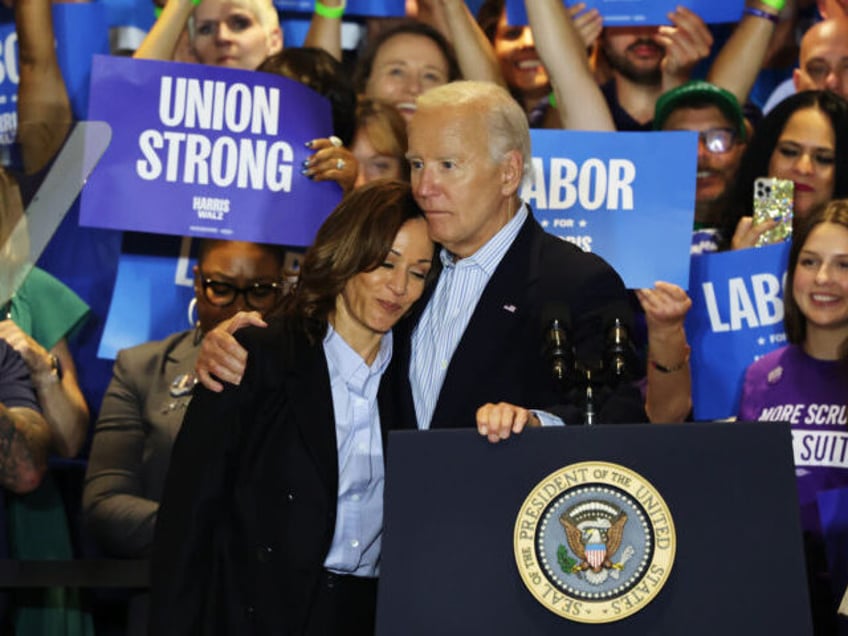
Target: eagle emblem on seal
{"points": [[594, 531]]}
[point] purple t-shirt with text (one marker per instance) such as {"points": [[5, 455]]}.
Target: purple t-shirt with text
{"points": [[787, 385]]}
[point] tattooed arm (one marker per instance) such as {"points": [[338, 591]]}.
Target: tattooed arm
{"points": [[24, 439]]}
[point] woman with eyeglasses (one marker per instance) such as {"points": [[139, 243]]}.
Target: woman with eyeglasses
{"points": [[151, 387]]}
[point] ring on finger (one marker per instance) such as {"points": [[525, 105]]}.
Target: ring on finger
{"points": [[340, 164], [335, 141]]}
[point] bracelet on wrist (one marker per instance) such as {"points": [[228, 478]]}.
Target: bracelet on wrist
{"points": [[671, 369], [759, 13], [333, 13], [777, 5]]}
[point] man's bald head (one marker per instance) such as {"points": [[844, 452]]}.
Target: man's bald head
{"points": [[823, 59]]}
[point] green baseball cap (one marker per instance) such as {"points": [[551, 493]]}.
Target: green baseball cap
{"points": [[700, 92]]}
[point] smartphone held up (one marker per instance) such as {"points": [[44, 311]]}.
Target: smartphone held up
{"points": [[773, 201]]}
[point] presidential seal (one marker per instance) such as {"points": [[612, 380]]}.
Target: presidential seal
{"points": [[594, 542]]}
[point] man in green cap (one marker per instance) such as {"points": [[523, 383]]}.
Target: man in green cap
{"points": [[716, 116]]}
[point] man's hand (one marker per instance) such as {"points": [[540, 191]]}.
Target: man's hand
{"points": [[665, 305], [589, 24], [686, 43], [37, 358], [499, 421], [222, 355]]}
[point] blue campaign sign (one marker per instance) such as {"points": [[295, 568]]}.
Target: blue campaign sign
{"points": [[8, 90], [199, 150], [736, 317], [628, 197], [643, 12], [372, 8]]}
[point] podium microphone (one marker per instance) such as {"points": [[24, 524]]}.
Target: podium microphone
{"points": [[618, 348], [557, 347]]}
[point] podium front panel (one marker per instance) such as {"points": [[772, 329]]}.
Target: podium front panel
{"points": [[452, 500]]}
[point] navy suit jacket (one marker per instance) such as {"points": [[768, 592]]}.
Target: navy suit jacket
{"points": [[501, 356]]}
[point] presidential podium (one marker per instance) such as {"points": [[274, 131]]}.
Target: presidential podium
{"points": [[452, 501]]}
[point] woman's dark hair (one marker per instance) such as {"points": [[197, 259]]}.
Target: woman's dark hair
{"points": [[355, 238], [755, 160], [406, 27], [795, 323], [324, 74], [488, 16]]}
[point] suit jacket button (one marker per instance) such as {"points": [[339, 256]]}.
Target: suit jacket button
{"points": [[250, 612], [290, 497], [263, 553]]}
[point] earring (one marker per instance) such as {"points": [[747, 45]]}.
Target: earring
{"points": [[192, 313]]}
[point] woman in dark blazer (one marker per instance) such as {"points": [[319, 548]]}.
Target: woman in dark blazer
{"points": [[271, 517]]}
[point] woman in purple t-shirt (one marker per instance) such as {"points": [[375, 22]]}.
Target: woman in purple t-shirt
{"points": [[806, 382]]}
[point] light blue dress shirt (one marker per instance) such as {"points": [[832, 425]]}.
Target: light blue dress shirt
{"points": [[359, 514], [446, 316]]}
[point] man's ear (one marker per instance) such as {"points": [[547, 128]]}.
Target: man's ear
{"points": [[512, 172], [796, 78]]}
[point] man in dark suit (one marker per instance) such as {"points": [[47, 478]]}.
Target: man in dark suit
{"points": [[479, 338]]}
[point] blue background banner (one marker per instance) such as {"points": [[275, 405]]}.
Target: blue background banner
{"points": [[154, 273], [82, 31], [607, 193], [643, 12], [736, 317], [199, 150], [382, 8]]}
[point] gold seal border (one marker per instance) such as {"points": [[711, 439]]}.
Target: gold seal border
{"points": [[656, 511]]}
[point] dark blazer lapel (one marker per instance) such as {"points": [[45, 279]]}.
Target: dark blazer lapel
{"points": [[500, 310], [312, 402]]}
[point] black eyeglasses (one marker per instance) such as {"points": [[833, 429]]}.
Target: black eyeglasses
{"points": [[260, 296], [717, 140]]}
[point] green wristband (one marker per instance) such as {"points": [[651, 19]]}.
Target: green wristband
{"points": [[335, 13], [777, 5], [157, 10]]}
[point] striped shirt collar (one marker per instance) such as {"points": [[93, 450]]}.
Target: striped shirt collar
{"points": [[490, 254]]}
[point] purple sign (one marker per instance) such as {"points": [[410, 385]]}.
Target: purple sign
{"points": [[205, 151]]}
